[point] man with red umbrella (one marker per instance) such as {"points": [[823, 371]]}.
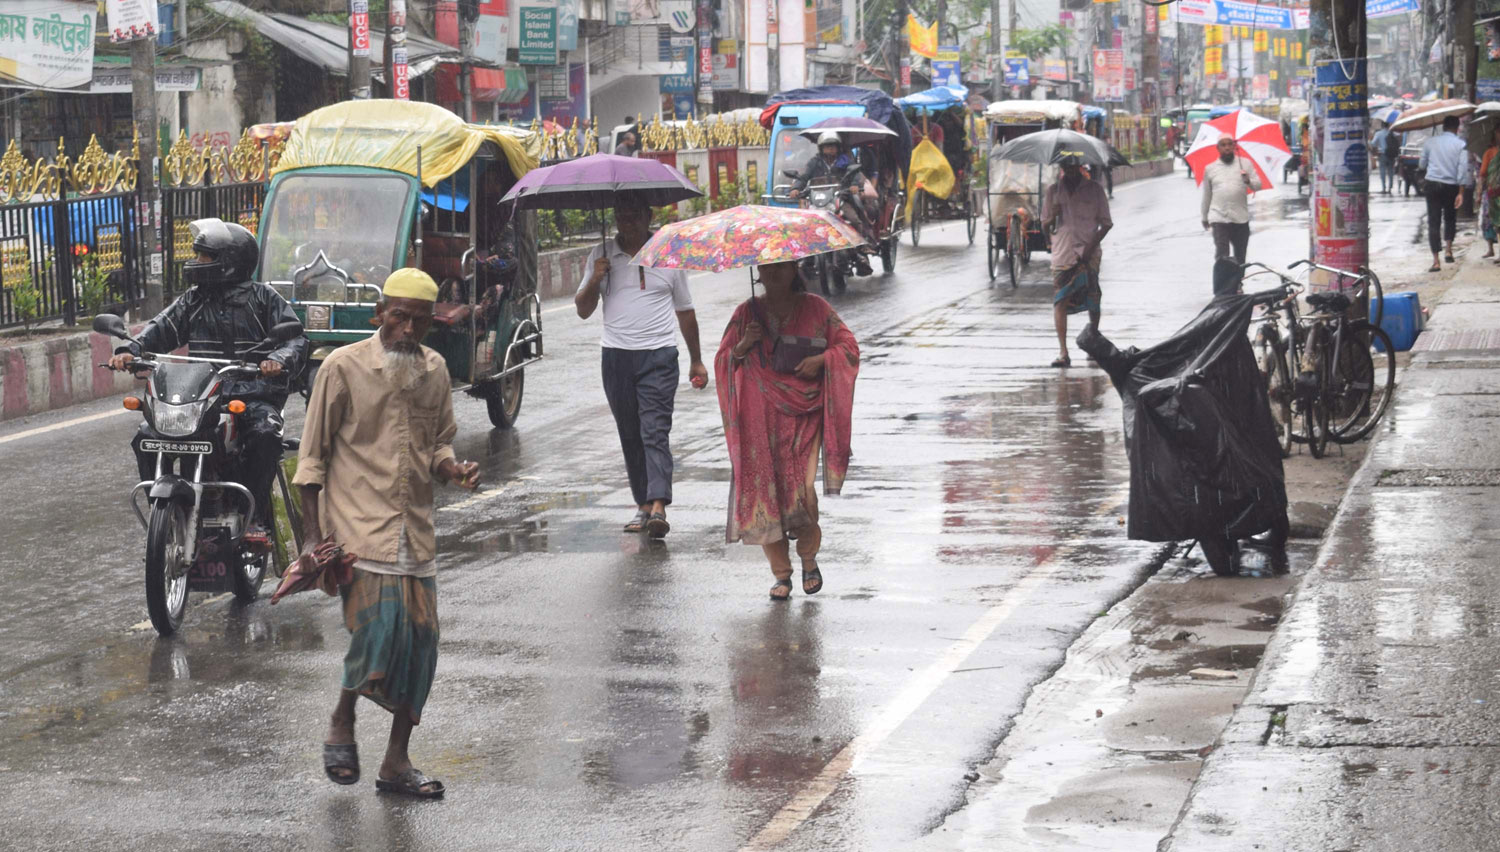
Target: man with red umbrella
{"points": [[1227, 183]]}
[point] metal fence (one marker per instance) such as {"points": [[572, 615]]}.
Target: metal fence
{"points": [[63, 259], [232, 202]]}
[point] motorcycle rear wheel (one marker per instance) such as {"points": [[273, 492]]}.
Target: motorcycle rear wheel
{"points": [[167, 567]]}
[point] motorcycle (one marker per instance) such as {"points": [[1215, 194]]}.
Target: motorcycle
{"points": [[833, 269], [196, 529]]}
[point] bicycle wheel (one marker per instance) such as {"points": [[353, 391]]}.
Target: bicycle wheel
{"points": [[972, 219], [918, 212], [1013, 252], [1377, 296], [1315, 411], [1351, 378], [1279, 392], [1382, 360]]}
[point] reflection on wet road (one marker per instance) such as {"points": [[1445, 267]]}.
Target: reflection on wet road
{"points": [[598, 691]]}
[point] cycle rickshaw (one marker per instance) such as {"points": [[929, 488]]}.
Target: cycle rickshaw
{"points": [[935, 107], [1014, 192]]}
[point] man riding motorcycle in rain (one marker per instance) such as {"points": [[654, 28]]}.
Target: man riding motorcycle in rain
{"points": [[224, 314], [831, 165]]}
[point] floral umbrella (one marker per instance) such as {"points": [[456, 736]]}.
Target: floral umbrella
{"points": [[748, 235], [1258, 140]]}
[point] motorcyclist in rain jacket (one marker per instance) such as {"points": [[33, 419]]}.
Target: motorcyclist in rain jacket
{"points": [[223, 315]]}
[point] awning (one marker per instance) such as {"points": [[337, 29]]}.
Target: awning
{"points": [[326, 45], [486, 85]]}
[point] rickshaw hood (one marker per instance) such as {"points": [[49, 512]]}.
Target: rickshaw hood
{"points": [[385, 134]]}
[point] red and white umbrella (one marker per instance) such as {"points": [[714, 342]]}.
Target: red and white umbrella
{"points": [[1257, 142]]}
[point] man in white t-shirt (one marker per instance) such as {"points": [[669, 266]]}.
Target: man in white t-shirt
{"points": [[643, 309]]}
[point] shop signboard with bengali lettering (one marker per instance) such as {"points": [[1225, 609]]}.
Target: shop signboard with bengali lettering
{"points": [[47, 44]]}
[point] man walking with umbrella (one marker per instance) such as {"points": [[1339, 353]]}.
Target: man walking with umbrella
{"points": [[643, 310], [1076, 211], [1227, 183]]}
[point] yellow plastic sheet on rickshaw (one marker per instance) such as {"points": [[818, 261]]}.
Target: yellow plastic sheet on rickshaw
{"points": [[929, 172], [385, 134]]}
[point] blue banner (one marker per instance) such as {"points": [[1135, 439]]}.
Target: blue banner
{"points": [[1255, 15], [1017, 72], [1384, 8], [674, 84]]}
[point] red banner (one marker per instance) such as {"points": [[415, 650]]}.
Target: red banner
{"points": [[360, 21], [401, 84]]}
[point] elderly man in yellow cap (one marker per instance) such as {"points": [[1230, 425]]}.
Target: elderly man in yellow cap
{"points": [[379, 432]]}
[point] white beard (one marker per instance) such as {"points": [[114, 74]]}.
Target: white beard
{"points": [[404, 369]]}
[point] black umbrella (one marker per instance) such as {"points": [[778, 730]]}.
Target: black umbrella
{"points": [[1051, 146], [1115, 157]]}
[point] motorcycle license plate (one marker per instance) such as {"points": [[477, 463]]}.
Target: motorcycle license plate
{"points": [[200, 448]]}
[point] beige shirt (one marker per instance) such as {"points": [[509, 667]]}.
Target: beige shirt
{"points": [[1075, 218], [375, 451], [1224, 190]]}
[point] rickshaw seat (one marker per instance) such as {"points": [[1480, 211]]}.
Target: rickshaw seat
{"points": [[450, 314]]}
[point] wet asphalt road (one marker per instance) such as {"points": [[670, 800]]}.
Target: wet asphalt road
{"points": [[597, 691]]}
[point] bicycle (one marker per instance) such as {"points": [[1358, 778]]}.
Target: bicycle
{"points": [[1359, 360], [1279, 352]]}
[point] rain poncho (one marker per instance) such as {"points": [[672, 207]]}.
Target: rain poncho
{"points": [[929, 172], [1204, 457]]}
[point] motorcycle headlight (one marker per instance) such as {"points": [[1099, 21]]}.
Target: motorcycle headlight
{"points": [[177, 421]]}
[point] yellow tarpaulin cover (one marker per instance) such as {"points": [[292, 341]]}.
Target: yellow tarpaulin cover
{"points": [[929, 172], [385, 134]]}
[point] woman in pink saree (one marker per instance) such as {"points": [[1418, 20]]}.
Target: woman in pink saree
{"points": [[777, 424]]}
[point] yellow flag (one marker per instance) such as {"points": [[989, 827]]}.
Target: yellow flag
{"points": [[923, 39], [1262, 39]]}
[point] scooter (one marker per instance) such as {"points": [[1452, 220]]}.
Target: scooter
{"points": [[198, 519]]}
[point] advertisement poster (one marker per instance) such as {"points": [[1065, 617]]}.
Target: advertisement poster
{"points": [[1055, 69], [492, 31], [1017, 71], [567, 24], [1345, 156], [129, 20], [1260, 86], [945, 69], [1109, 75], [47, 43], [727, 64], [359, 20]]}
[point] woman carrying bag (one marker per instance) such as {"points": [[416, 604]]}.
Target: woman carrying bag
{"points": [[786, 369]]}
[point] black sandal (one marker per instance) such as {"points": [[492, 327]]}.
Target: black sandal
{"points": [[812, 574], [657, 525], [782, 584], [410, 783], [637, 523], [1063, 362], [341, 756]]}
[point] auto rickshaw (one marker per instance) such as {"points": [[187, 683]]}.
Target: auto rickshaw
{"points": [[365, 187]]}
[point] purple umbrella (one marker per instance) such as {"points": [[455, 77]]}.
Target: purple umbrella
{"points": [[853, 129], [599, 181]]}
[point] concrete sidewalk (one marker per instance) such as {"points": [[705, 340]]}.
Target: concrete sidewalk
{"points": [[1373, 722]]}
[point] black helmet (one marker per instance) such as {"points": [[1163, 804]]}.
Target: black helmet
{"points": [[232, 248]]}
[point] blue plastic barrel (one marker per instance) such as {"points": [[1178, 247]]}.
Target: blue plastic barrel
{"points": [[1402, 319]]}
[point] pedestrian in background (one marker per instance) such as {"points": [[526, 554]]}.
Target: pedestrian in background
{"points": [[786, 369], [379, 431], [1076, 212], [1488, 186], [1227, 184], [643, 311], [628, 144], [1445, 159], [1387, 147]]}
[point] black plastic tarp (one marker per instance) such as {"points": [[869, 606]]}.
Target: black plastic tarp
{"points": [[1204, 456]]}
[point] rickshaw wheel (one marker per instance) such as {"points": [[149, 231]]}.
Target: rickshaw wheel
{"points": [[503, 397], [888, 247], [993, 248], [918, 211], [1015, 249], [973, 220]]}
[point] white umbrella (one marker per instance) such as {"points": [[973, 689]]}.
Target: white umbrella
{"points": [[1431, 114], [1256, 139]]}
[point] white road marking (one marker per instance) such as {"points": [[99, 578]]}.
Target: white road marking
{"points": [[77, 421], [812, 795]]}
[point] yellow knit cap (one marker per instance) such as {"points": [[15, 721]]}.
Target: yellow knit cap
{"points": [[410, 283]]}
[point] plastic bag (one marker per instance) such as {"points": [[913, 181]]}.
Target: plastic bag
{"points": [[1204, 457]]}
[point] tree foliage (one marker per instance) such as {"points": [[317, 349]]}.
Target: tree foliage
{"points": [[1038, 43]]}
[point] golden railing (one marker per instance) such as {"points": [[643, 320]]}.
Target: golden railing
{"points": [[712, 131]]}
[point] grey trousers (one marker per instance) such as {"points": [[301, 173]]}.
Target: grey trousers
{"points": [[641, 386], [1231, 238]]}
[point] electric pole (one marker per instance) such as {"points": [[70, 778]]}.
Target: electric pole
{"points": [[143, 108], [900, 66], [1150, 71], [997, 51], [1339, 224], [1464, 59]]}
